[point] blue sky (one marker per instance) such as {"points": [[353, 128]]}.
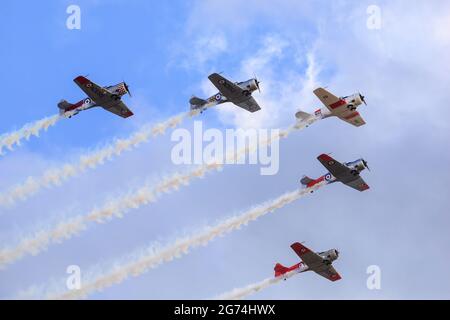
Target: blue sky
{"points": [[165, 51]]}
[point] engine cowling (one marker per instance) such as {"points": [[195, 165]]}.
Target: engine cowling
{"points": [[118, 89], [358, 165], [330, 255], [250, 85], [354, 99]]}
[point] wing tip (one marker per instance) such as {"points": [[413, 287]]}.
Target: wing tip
{"points": [[365, 187], [299, 248], [325, 157], [317, 90], [335, 277], [81, 79], [212, 75], [128, 114]]}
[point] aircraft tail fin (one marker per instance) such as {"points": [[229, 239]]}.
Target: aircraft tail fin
{"points": [[196, 102], [64, 105], [280, 270], [306, 180]]}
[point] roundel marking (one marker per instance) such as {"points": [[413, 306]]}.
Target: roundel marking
{"points": [[218, 97]]}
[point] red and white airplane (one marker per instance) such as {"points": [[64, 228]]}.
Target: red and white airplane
{"points": [[107, 97], [320, 263], [347, 173], [344, 108]]}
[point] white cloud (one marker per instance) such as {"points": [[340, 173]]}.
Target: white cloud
{"points": [[209, 47], [441, 28], [401, 68], [199, 51], [283, 88]]}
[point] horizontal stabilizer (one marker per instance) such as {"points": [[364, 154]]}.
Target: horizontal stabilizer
{"points": [[197, 101], [280, 270], [306, 180], [303, 115], [64, 105]]}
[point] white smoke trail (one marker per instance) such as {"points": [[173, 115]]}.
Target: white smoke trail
{"points": [[37, 242], [8, 140], [240, 293], [155, 254], [55, 176], [40, 240]]}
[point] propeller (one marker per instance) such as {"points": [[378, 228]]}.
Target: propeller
{"points": [[257, 85], [362, 98], [337, 252], [365, 164], [127, 88], [257, 82]]}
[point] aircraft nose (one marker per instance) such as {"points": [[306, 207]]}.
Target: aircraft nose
{"points": [[363, 99], [257, 84], [127, 88], [366, 164]]}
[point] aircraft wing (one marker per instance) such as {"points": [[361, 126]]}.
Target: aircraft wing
{"points": [[93, 91], [310, 258], [358, 184], [120, 109], [225, 86], [234, 93], [354, 118], [315, 262], [336, 168], [250, 105], [330, 273], [333, 103], [342, 173]]}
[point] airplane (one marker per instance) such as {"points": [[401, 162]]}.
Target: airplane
{"points": [[347, 173], [320, 263], [344, 108], [239, 93], [107, 97]]}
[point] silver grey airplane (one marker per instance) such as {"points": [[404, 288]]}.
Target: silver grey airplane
{"points": [[107, 97], [320, 263], [238, 93], [348, 173]]}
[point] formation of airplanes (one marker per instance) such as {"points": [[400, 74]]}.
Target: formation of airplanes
{"points": [[240, 94]]}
